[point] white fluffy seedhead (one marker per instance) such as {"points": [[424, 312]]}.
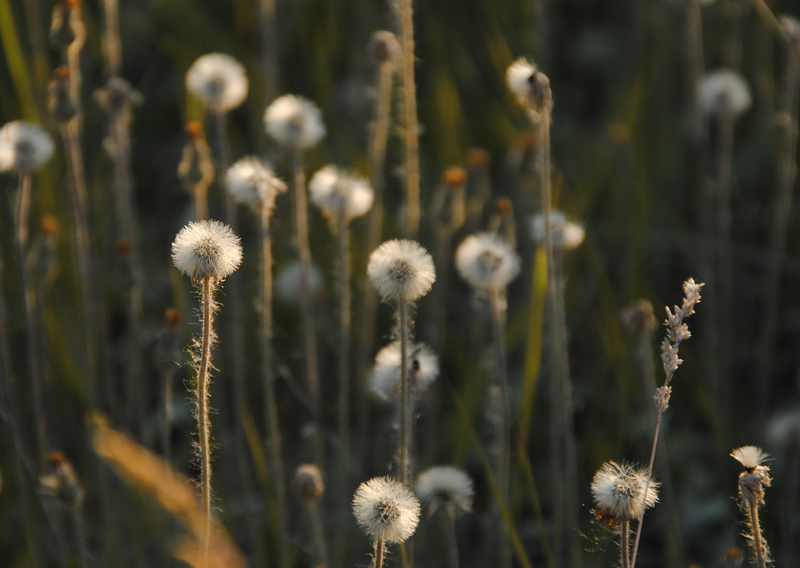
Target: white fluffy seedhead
{"points": [[725, 93], [565, 235], [619, 492], [294, 122], [385, 508], [206, 249], [446, 489], [756, 475], [218, 80], [487, 262], [339, 194], [530, 86], [253, 184], [423, 369], [401, 270], [24, 147]]}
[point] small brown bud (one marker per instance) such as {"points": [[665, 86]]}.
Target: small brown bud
{"points": [[123, 247], [172, 318], [455, 177], [50, 225], [308, 481], [505, 207], [194, 130], [478, 158]]}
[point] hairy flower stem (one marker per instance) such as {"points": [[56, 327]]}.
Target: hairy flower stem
{"points": [[203, 420], [268, 367], [344, 360], [377, 161], [756, 528], [317, 535], [306, 305], [410, 124], [623, 544], [503, 430], [404, 402], [22, 214], [113, 44], [452, 545], [379, 551], [787, 168]]}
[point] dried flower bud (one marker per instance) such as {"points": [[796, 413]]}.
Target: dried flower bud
{"points": [[308, 481], [172, 318], [385, 49]]}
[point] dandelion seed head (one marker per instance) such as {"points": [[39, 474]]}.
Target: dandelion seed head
{"points": [[287, 282], [756, 475], [338, 194], [619, 491], [206, 249], [294, 122], [385, 508], [24, 147], [784, 430], [218, 80], [447, 489], [423, 369], [253, 184], [725, 93], [401, 270], [487, 261], [518, 78], [565, 234]]}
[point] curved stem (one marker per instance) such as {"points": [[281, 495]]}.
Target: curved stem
{"points": [[203, 420], [273, 426]]}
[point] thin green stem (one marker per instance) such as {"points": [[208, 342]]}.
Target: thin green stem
{"points": [[268, 367], [306, 305], [410, 124], [452, 544], [22, 214], [317, 534], [404, 402], [503, 430], [344, 360]]}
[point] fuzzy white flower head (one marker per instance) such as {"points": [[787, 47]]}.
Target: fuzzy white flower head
{"points": [[423, 367], [447, 489], [565, 234], [725, 93], [387, 509], [294, 122], [218, 80], [338, 194], [618, 491], [23, 146], [206, 249], [287, 282], [253, 184], [401, 270], [518, 78], [486, 261], [756, 475]]}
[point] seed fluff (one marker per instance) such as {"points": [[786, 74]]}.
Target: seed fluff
{"points": [[486, 261], [24, 146], [401, 270], [338, 193], [446, 489], [387, 509], [218, 80], [294, 122], [206, 249], [618, 491], [253, 184], [423, 368]]}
